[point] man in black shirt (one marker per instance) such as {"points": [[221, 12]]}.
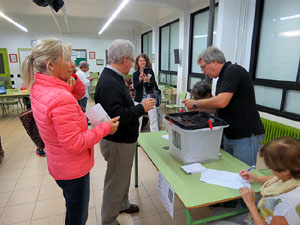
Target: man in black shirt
{"points": [[234, 102], [118, 149]]}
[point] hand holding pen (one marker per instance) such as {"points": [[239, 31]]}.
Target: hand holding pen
{"points": [[247, 175]]}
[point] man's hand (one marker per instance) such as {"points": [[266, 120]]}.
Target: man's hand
{"points": [[114, 123], [148, 104], [71, 81], [188, 103]]}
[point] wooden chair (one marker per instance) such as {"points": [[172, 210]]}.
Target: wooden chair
{"points": [[11, 101]]}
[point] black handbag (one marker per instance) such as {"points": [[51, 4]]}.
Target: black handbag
{"points": [[157, 95], [29, 124]]}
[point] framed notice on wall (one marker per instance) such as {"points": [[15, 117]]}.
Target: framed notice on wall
{"points": [[79, 55], [92, 55], [13, 58]]}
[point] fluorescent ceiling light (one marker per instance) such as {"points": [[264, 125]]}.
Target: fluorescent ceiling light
{"points": [[13, 22], [113, 16], [292, 33], [290, 17]]}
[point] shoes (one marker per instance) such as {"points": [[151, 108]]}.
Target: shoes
{"points": [[40, 152], [132, 209]]}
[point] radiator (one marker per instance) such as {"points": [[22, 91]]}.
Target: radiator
{"points": [[275, 130]]}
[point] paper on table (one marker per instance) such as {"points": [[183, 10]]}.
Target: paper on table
{"points": [[97, 115], [224, 178], [193, 168], [166, 136]]}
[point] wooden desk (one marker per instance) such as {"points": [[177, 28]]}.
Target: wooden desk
{"points": [[18, 95], [190, 191]]}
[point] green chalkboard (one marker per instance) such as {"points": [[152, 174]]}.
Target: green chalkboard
{"points": [[79, 55]]}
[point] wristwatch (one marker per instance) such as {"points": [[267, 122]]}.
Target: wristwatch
{"points": [[195, 104]]}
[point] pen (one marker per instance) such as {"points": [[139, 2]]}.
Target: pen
{"points": [[252, 167]]}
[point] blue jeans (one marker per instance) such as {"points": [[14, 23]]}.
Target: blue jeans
{"points": [[83, 102], [77, 196], [245, 149]]}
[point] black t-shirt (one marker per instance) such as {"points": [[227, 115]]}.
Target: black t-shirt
{"points": [[241, 113]]}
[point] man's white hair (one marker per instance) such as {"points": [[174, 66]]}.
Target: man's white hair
{"points": [[118, 49]]}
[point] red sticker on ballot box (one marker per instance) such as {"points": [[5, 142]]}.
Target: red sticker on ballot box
{"points": [[210, 124]]}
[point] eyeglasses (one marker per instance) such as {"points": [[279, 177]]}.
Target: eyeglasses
{"points": [[203, 67], [132, 59]]}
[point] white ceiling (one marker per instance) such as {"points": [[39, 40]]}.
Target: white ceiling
{"points": [[86, 17]]}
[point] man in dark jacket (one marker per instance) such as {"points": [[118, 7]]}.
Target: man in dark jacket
{"points": [[234, 102], [118, 149]]}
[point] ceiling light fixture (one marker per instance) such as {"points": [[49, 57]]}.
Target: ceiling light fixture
{"points": [[113, 16], [290, 17], [13, 22]]}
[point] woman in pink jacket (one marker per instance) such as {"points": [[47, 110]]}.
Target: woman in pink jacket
{"points": [[69, 144]]}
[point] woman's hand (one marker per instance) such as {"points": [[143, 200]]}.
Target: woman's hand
{"points": [[146, 78], [248, 176], [71, 81], [141, 77], [114, 123], [248, 196]]}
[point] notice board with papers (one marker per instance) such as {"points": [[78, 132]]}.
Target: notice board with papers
{"points": [[79, 55]]}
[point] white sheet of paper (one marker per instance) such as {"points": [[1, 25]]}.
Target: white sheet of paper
{"points": [[77, 54], [166, 136], [166, 194], [97, 115], [193, 168], [224, 178]]}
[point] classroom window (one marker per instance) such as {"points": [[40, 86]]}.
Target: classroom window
{"points": [[262, 95], [292, 102], [275, 57], [147, 44], [198, 39], [169, 40]]}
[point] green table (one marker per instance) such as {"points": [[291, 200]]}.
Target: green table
{"points": [[15, 95], [188, 188]]}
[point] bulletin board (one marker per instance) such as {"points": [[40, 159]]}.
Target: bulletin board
{"points": [[79, 55], [23, 52]]}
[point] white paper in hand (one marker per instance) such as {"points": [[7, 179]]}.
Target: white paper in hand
{"points": [[97, 115]]}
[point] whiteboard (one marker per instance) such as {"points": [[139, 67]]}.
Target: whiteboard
{"points": [[23, 52]]}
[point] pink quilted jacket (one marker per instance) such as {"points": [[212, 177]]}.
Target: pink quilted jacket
{"points": [[69, 144]]}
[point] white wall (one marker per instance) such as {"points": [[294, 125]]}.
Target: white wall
{"points": [[13, 41]]}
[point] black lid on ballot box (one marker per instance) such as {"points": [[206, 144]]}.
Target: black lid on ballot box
{"points": [[194, 120]]}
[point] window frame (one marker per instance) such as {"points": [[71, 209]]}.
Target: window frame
{"points": [[167, 72], [142, 42], [283, 85], [190, 55]]}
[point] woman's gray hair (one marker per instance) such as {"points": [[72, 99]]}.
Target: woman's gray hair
{"points": [[118, 50], [211, 54], [84, 64], [45, 51]]}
